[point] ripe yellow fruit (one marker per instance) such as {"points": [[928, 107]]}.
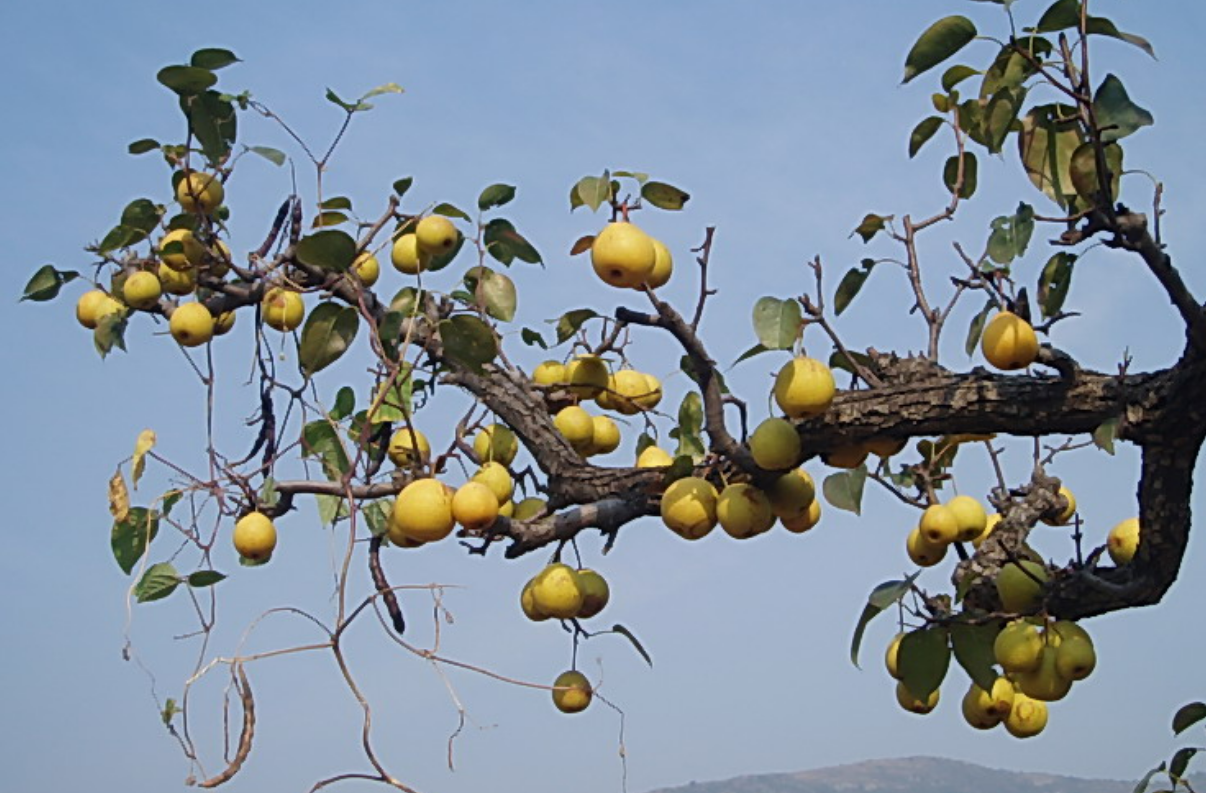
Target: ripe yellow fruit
{"points": [[402, 446], [405, 255], [654, 457], [744, 511], [663, 265], [577, 426], [177, 282], [571, 692], [474, 506], [496, 477], [986, 709], [892, 656], [283, 309], [142, 290], [93, 305], [190, 254], [367, 268], [845, 457], [914, 704], [802, 523], [1064, 515], [587, 376], [804, 387], [651, 396], [527, 602], [506, 509], [1027, 717], [595, 593], [605, 436], [528, 508], [255, 536], [1018, 648], [939, 525], [435, 235], [1123, 541], [557, 591], [1075, 657], [969, 516], [422, 511], [922, 552], [689, 507], [1020, 587], [217, 260], [623, 255], [1045, 682], [884, 447], [775, 444], [1009, 342], [223, 323], [625, 386], [191, 324], [497, 443], [990, 523], [200, 192], [549, 373], [792, 494]]}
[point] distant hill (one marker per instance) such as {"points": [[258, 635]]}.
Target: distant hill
{"points": [[907, 775]]}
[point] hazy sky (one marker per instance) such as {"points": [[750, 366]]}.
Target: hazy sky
{"points": [[786, 122]]}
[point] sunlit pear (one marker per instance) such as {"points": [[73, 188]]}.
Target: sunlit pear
{"points": [[577, 426], [625, 386], [892, 656], [283, 309], [939, 525], [527, 602], [495, 476], [367, 268], [775, 444], [1075, 657], [606, 398], [507, 508], [177, 282], [969, 515], [188, 252], [884, 447], [402, 446], [422, 511], [406, 257], [1064, 515], [976, 711], [744, 511], [595, 593], [142, 290], [223, 323], [1027, 717], [1123, 541], [922, 552], [802, 523], [474, 506], [605, 436], [1020, 586], [804, 387], [1009, 342], [689, 507], [549, 373], [845, 457], [623, 255], [1045, 682], [651, 396], [1067, 630], [913, 703], [93, 305], [254, 536], [496, 442], [558, 591], [191, 324], [663, 265], [587, 375], [529, 508], [653, 457], [435, 235], [571, 692], [217, 259], [1018, 647], [990, 523], [200, 192], [792, 494]]}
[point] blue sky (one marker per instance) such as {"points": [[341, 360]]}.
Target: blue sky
{"points": [[787, 123]]}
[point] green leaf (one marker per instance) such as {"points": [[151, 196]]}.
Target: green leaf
{"points": [[1000, 117], [1187, 716], [883, 596], [1103, 27], [204, 578], [130, 537], [839, 360], [690, 422], [450, 211], [1046, 143], [757, 349], [377, 514], [976, 328], [506, 244], [468, 340], [213, 123], [169, 500], [140, 214], [319, 439], [688, 368], [871, 225], [406, 301], [331, 509], [495, 196], [345, 404], [955, 75], [1011, 69], [170, 709], [1147, 778], [386, 88], [110, 332], [337, 202], [330, 249], [123, 237], [844, 490], [925, 129], [402, 185], [940, 41], [664, 196], [213, 59], [395, 404], [334, 99], [1180, 761], [569, 323], [777, 322], [1059, 15], [186, 80], [1105, 434], [1085, 176], [268, 495], [329, 331], [493, 290], [627, 634], [591, 191], [274, 156], [973, 646], [143, 145], [923, 658], [851, 282], [1011, 235], [1054, 282], [46, 283], [950, 174], [159, 581], [1117, 116], [323, 219], [533, 338]]}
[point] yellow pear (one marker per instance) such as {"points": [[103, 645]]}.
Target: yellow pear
{"points": [[802, 523], [804, 387], [200, 192], [1123, 541], [367, 268], [435, 235], [571, 692], [625, 386], [587, 376], [914, 704], [1027, 717], [651, 396], [496, 442], [970, 517], [474, 506], [1064, 515], [558, 591], [939, 525], [528, 508], [689, 507], [1044, 682], [142, 290], [191, 252], [402, 447], [922, 552], [1009, 342], [605, 436], [283, 309], [663, 265], [792, 494], [1018, 647], [527, 602], [496, 477], [744, 511], [549, 373], [191, 324], [775, 444], [623, 255], [223, 323], [422, 511], [93, 305], [595, 593], [892, 656], [1075, 657], [255, 536], [1020, 586], [577, 426], [177, 282], [653, 457], [406, 257]]}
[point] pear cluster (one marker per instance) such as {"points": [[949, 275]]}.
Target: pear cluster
{"points": [[691, 507], [626, 257]]}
